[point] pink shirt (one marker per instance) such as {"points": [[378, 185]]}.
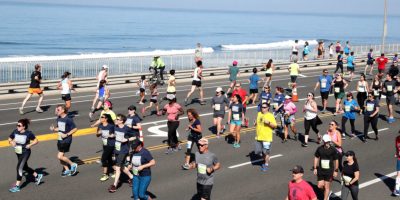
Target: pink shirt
{"points": [[172, 111], [289, 107], [301, 191]]}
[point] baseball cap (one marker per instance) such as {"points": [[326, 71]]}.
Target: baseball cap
{"points": [[203, 141], [326, 138], [234, 62], [219, 89], [297, 169], [132, 107], [105, 66], [170, 96]]}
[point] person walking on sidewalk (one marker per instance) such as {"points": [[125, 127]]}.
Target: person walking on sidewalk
{"points": [[34, 88]]}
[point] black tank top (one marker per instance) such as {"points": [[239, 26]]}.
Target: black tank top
{"points": [[340, 84]]}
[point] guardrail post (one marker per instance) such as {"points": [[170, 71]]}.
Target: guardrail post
{"points": [[26, 71]]}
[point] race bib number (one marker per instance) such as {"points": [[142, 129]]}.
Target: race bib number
{"points": [[376, 92], [18, 149], [337, 89], [370, 107], [61, 126], [235, 109], [325, 164], [104, 141], [118, 146], [389, 88], [347, 108], [201, 169], [189, 144], [236, 117], [217, 107], [323, 83]]}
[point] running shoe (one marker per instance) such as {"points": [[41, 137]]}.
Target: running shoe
{"points": [[203, 102], [304, 145], [38, 179], [186, 166], [74, 167], [223, 129], [295, 138], [186, 100], [396, 193], [343, 136], [319, 139], [284, 140], [141, 103], [112, 189], [39, 110], [90, 115], [21, 111], [65, 173], [104, 177], [168, 151], [264, 167], [234, 145], [14, 189]]}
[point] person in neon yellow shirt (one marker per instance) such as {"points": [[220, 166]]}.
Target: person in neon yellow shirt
{"points": [[294, 70], [265, 125], [158, 65]]}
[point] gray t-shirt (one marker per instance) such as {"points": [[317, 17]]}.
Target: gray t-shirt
{"points": [[204, 161], [233, 71], [219, 104]]}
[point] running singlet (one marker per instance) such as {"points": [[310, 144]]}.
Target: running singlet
{"points": [[196, 74], [102, 92], [65, 87]]}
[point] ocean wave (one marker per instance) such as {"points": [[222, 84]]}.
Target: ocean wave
{"points": [[273, 45]]}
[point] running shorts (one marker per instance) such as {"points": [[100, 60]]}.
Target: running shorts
{"points": [[120, 159], [35, 91], [325, 95], [204, 191], [390, 100], [153, 100], [253, 91], [63, 147], [236, 122], [324, 177], [66, 97], [350, 69], [196, 83], [268, 75], [293, 79], [262, 147], [216, 115]]}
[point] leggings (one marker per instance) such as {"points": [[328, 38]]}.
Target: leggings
{"points": [[339, 65], [106, 157], [172, 137], [23, 164], [310, 123], [344, 121], [353, 189], [361, 97], [374, 123]]}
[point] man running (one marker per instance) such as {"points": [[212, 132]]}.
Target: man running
{"points": [[102, 75], [389, 89], [196, 83], [299, 188], [34, 88], [324, 82], [265, 123], [219, 104], [370, 62], [350, 65], [382, 61], [326, 165], [233, 72], [65, 128], [206, 163]]}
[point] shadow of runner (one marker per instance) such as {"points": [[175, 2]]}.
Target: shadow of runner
{"points": [[31, 179], [389, 181], [255, 159]]}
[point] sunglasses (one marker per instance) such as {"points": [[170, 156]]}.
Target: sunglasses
{"points": [[295, 172], [102, 117], [119, 119], [264, 107], [19, 125], [370, 96], [202, 145], [332, 124], [309, 95], [266, 88]]}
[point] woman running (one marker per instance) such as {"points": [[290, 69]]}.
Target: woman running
{"points": [[173, 111], [194, 135], [102, 95], [376, 87], [236, 119], [339, 85], [331, 49], [153, 100], [306, 51], [371, 116], [269, 69], [350, 108], [22, 140], [265, 97], [106, 131], [290, 120], [320, 49], [142, 83], [107, 109], [253, 87], [310, 111], [65, 85], [362, 92]]}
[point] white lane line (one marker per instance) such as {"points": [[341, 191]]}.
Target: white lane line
{"points": [[302, 75], [373, 181], [379, 130], [34, 120], [254, 161]]}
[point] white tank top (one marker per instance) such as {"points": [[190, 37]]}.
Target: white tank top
{"points": [[65, 87], [142, 84], [195, 74], [309, 114], [269, 70]]}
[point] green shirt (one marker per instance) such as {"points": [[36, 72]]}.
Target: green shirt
{"points": [[233, 71], [157, 63]]}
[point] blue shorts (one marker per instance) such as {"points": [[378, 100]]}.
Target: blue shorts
{"points": [[236, 122], [398, 165]]}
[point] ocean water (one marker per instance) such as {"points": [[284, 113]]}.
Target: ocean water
{"points": [[45, 29]]}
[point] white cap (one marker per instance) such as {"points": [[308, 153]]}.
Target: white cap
{"points": [[288, 97], [219, 89], [105, 67], [326, 138]]}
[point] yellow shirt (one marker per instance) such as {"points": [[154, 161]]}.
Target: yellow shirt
{"points": [[263, 131], [294, 69], [111, 113], [171, 87]]}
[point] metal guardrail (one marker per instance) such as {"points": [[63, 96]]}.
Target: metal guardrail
{"points": [[52, 67]]}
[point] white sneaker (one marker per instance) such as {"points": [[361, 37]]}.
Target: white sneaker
{"points": [[21, 111], [39, 110]]}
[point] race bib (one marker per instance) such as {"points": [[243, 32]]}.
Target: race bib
{"points": [[217, 107], [61, 126], [201, 169], [119, 136], [347, 179], [263, 101], [236, 117], [189, 144], [104, 141], [118, 146], [361, 88], [323, 83], [235, 108], [389, 88], [325, 164], [347, 108], [266, 145], [18, 149], [20, 139], [59, 136], [370, 107], [135, 171], [376, 92], [337, 89], [129, 121]]}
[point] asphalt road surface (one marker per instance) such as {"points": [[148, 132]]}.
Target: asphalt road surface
{"points": [[238, 178]]}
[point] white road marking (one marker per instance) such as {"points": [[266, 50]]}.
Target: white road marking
{"points": [[302, 75], [255, 161], [379, 130]]}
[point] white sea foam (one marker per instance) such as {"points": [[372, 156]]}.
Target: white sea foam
{"points": [[274, 45]]}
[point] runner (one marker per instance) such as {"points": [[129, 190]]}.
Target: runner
{"points": [[350, 109], [106, 131], [153, 100], [34, 88], [142, 83], [236, 119], [350, 176], [141, 162], [339, 85], [277, 106], [295, 50], [219, 104], [290, 120], [347, 48], [339, 64], [194, 135], [265, 123], [306, 51], [198, 53], [324, 82], [269, 69], [22, 140], [159, 67], [321, 50], [265, 97], [102, 95], [233, 72], [171, 83], [362, 92], [133, 120], [173, 111], [351, 65], [376, 87], [107, 109], [299, 188], [326, 165], [331, 49], [371, 116], [395, 60], [253, 87], [294, 70], [396, 191], [382, 61], [123, 135], [244, 99], [65, 128], [389, 89], [336, 139], [311, 118], [338, 47], [370, 62], [65, 85], [206, 163], [103, 75], [196, 83]]}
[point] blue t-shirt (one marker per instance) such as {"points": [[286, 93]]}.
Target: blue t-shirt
{"points": [[346, 49], [22, 139], [65, 125], [237, 109], [350, 61], [264, 98], [106, 131], [120, 134], [254, 81], [278, 100], [194, 125], [325, 83], [306, 50], [349, 109], [133, 121], [141, 158]]}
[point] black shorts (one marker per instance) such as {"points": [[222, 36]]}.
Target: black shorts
{"points": [[295, 53], [293, 79], [192, 139], [325, 95], [390, 100], [253, 91], [324, 177], [141, 89], [204, 191], [216, 115], [196, 83], [120, 159], [350, 69], [268, 75], [319, 52], [66, 97], [153, 100], [370, 61], [381, 71], [63, 147]]}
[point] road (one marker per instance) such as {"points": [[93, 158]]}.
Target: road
{"points": [[237, 179]]}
